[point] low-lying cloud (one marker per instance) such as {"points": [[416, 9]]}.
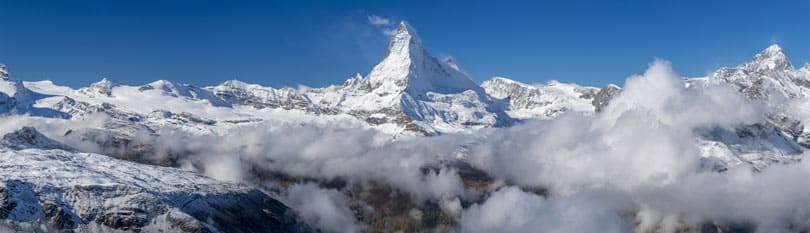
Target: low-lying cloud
{"points": [[326, 209]]}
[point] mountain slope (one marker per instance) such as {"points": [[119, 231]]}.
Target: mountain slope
{"points": [[47, 187]]}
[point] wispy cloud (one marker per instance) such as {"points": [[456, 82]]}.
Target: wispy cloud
{"points": [[774, 40], [389, 31], [378, 21], [384, 24]]}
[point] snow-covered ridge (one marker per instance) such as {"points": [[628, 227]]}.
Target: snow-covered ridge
{"points": [[47, 187], [771, 58], [768, 75], [408, 92], [541, 101]]}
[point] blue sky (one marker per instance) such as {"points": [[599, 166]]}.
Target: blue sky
{"points": [[317, 43]]}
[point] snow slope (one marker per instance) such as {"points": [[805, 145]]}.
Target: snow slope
{"points": [[48, 187]]}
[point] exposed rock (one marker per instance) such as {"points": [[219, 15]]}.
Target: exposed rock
{"points": [[603, 97]]}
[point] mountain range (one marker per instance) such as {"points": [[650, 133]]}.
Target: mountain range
{"points": [[51, 184]]}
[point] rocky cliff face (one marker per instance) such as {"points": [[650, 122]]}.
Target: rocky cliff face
{"points": [[603, 97]]}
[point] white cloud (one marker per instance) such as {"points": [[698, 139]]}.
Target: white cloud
{"points": [[512, 210], [326, 209], [383, 24], [389, 31], [378, 21]]}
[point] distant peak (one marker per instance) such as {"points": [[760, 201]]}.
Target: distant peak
{"points": [[499, 79], [161, 82], [103, 86], [771, 58], [234, 84], [103, 81]]}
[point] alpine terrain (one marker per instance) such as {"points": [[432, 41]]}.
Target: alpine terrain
{"points": [[413, 146]]}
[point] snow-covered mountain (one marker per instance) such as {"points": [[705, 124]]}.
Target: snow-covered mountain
{"points": [[769, 75], [769, 78], [541, 101], [409, 90], [49, 187]]}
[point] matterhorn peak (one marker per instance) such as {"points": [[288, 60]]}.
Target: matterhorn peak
{"points": [[407, 66], [404, 42], [771, 58]]}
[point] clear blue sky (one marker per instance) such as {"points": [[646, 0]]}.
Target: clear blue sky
{"points": [[286, 43]]}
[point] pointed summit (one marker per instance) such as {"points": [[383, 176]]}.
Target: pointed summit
{"points": [[404, 41], [103, 86], [774, 48], [405, 29], [407, 66], [771, 58]]}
